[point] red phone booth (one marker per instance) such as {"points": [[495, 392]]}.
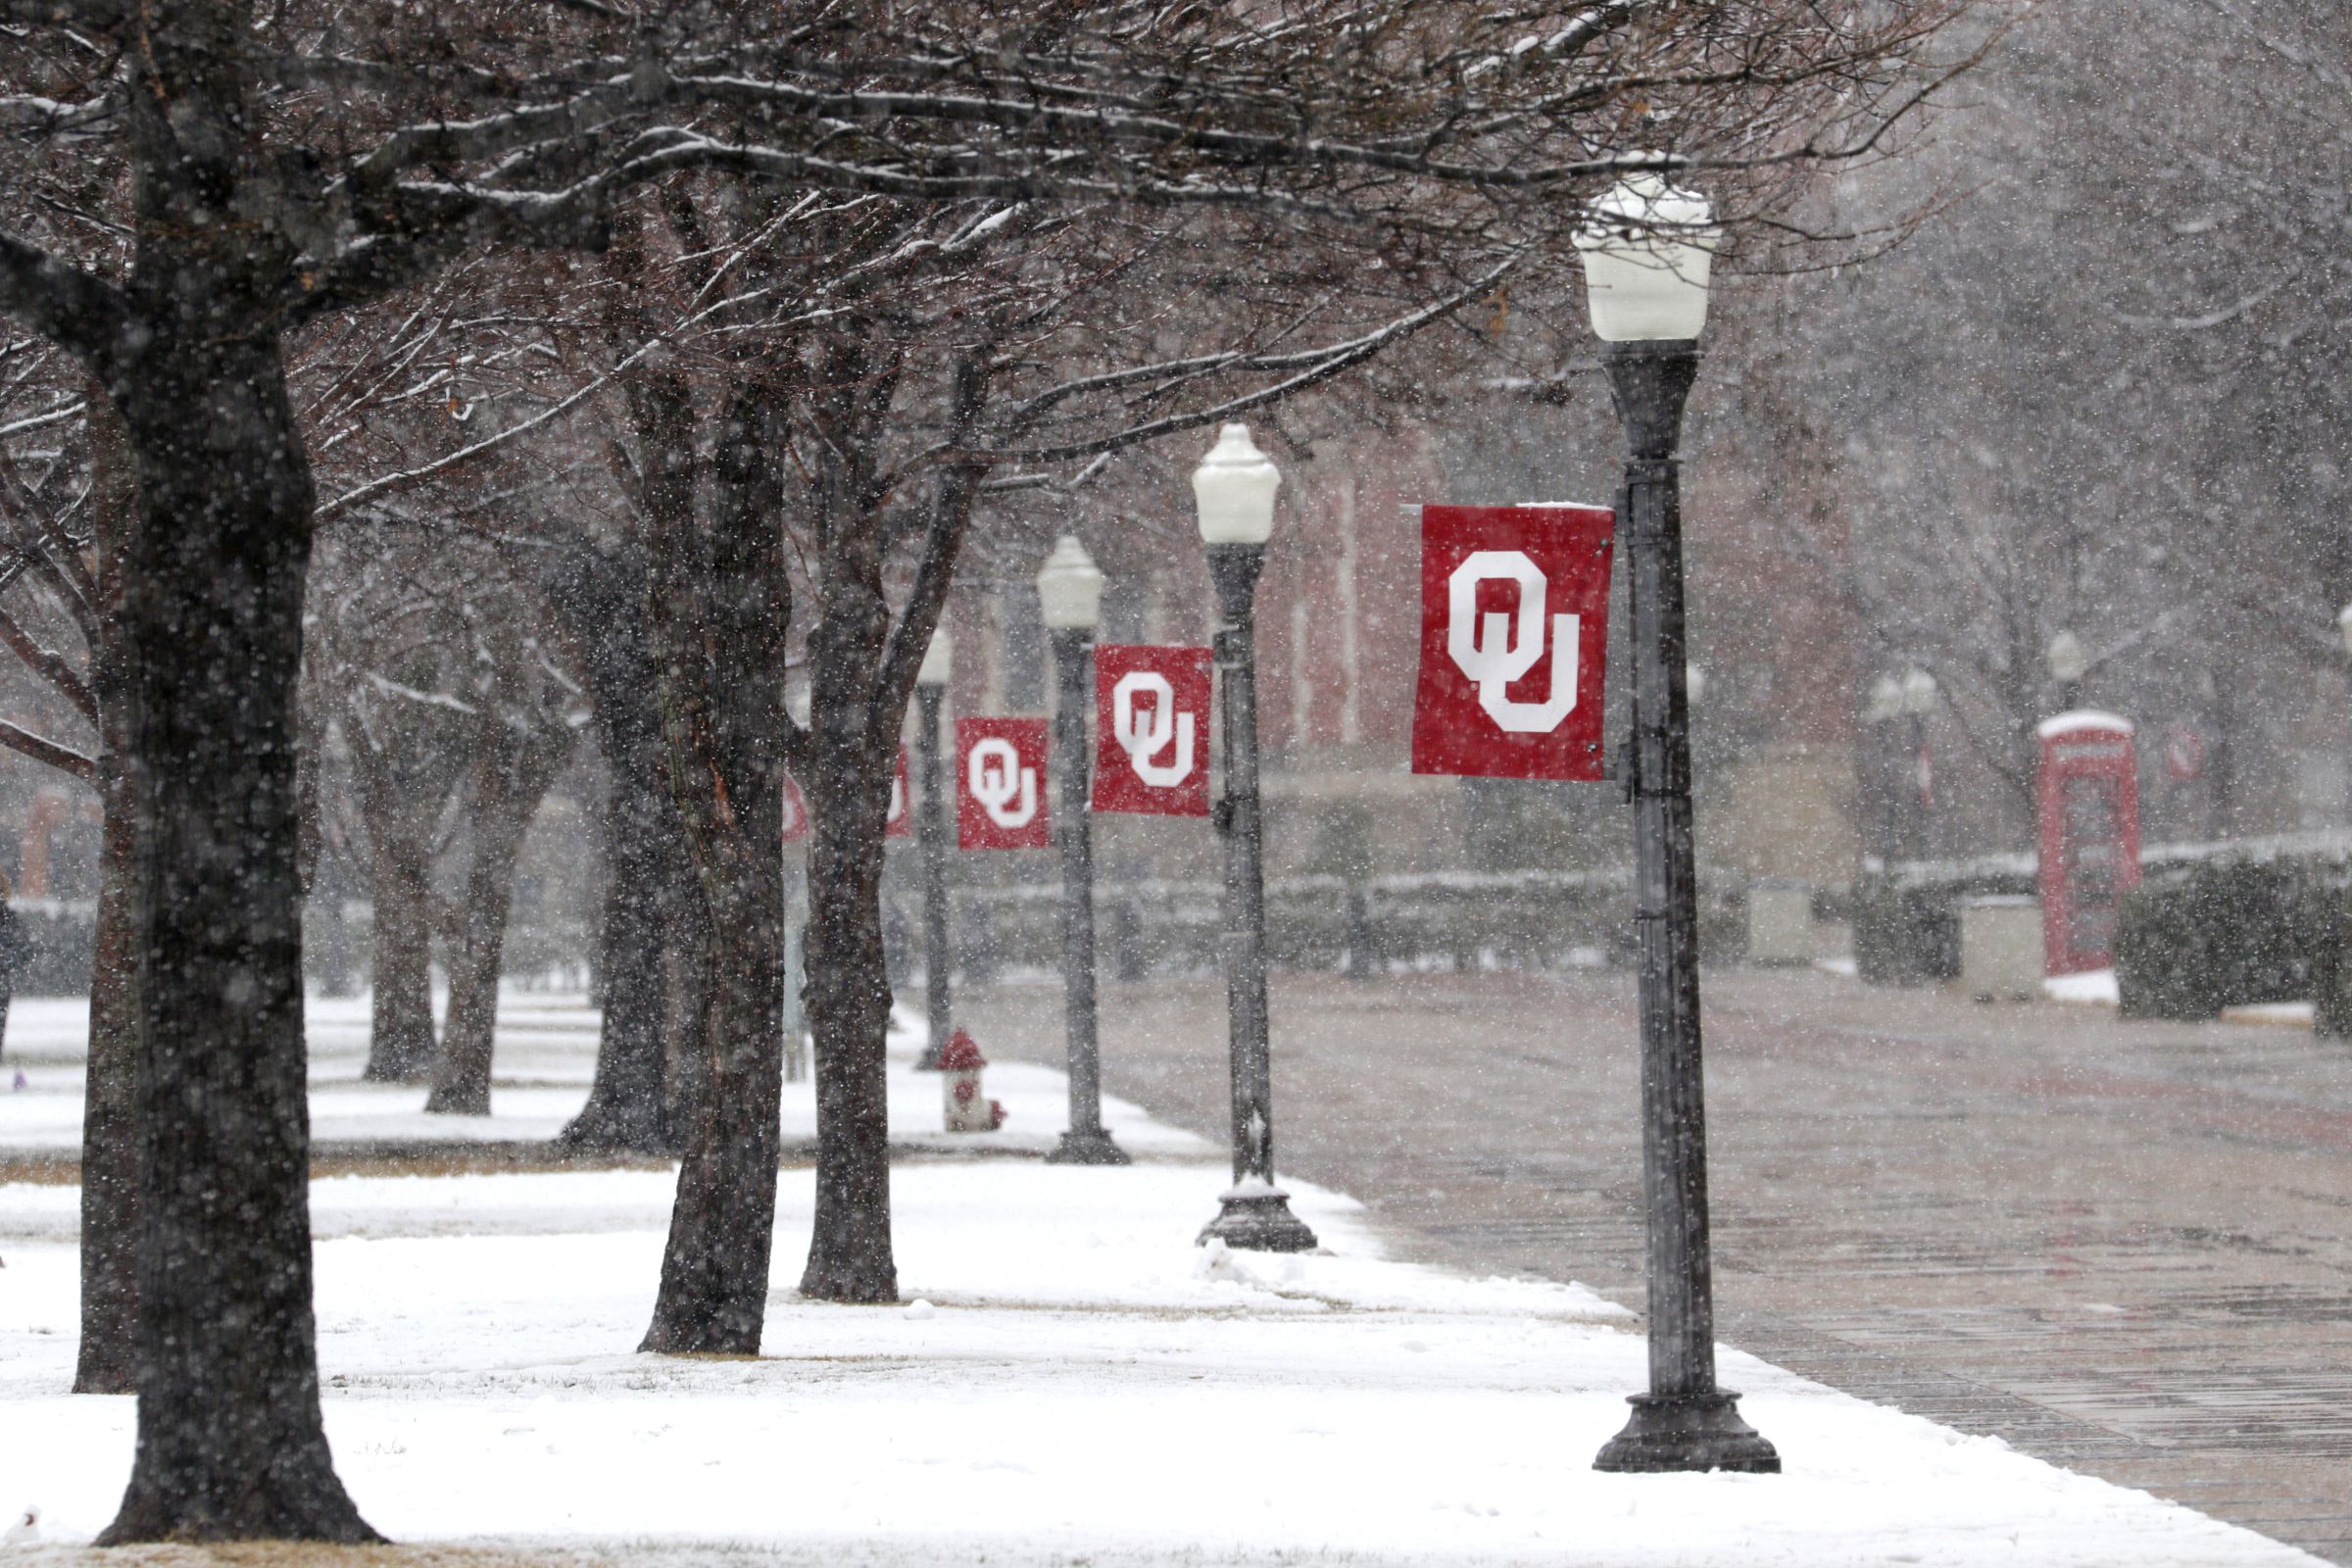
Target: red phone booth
{"points": [[2090, 837]]}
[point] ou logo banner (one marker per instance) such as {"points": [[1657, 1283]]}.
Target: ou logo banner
{"points": [[1514, 641], [1000, 784], [1152, 730]]}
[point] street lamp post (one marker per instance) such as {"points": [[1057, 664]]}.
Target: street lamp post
{"points": [[930, 686], [2343, 629], [1234, 487], [2069, 663], [1648, 254], [1885, 707], [1919, 700], [1070, 596]]}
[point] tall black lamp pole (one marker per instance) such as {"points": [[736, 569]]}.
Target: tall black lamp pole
{"points": [[1235, 487], [931, 827], [1647, 261], [1070, 596]]}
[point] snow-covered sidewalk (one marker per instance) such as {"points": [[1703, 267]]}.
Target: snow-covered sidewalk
{"points": [[1071, 1381]]}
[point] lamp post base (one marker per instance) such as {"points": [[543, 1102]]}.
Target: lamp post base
{"points": [[1088, 1149], [1695, 1431], [1259, 1220]]}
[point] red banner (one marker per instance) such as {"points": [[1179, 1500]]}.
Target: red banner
{"points": [[796, 811], [1152, 730], [901, 821], [1000, 784], [1514, 641]]}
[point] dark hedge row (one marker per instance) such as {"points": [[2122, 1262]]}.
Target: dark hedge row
{"points": [[1463, 924], [2193, 939], [2219, 934], [2231, 933]]}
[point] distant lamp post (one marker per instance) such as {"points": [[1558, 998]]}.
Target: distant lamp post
{"points": [[2069, 663], [1069, 597], [1234, 487], [1919, 700], [930, 687], [1884, 708], [2343, 629], [1649, 250]]}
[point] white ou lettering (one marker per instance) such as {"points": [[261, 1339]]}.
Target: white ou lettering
{"points": [[994, 775], [792, 813], [898, 798], [1143, 733], [1497, 649]]}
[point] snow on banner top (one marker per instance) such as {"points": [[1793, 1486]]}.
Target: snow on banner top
{"points": [[1514, 641]]}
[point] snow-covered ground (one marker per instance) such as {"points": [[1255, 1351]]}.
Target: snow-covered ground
{"points": [[2095, 987], [545, 1059], [1070, 1381]]}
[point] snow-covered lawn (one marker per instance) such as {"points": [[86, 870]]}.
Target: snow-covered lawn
{"points": [[1070, 1381], [545, 1059]]}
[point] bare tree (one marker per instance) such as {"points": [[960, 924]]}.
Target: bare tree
{"points": [[282, 170]]}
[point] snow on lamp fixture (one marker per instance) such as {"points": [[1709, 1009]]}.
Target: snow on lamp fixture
{"points": [[1235, 487], [1886, 700], [939, 661], [1069, 588], [1919, 692], [2343, 626], [2067, 662], [1650, 253]]}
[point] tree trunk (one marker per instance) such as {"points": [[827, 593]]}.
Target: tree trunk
{"points": [[230, 1443], [106, 1361], [109, 1350], [846, 993], [400, 1028], [855, 719], [685, 1020], [513, 772], [601, 602], [624, 1108], [721, 610]]}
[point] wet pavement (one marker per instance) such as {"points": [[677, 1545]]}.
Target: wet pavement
{"points": [[2122, 1246]]}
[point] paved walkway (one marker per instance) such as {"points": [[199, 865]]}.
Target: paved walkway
{"points": [[2122, 1246]]}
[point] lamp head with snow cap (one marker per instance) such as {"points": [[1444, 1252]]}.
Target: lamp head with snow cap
{"points": [[1649, 256], [1069, 588], [2067, 662], [939, 659], [1234, 487]]}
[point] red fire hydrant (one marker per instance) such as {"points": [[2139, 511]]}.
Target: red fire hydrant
{"points": [[968, 1110]]}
